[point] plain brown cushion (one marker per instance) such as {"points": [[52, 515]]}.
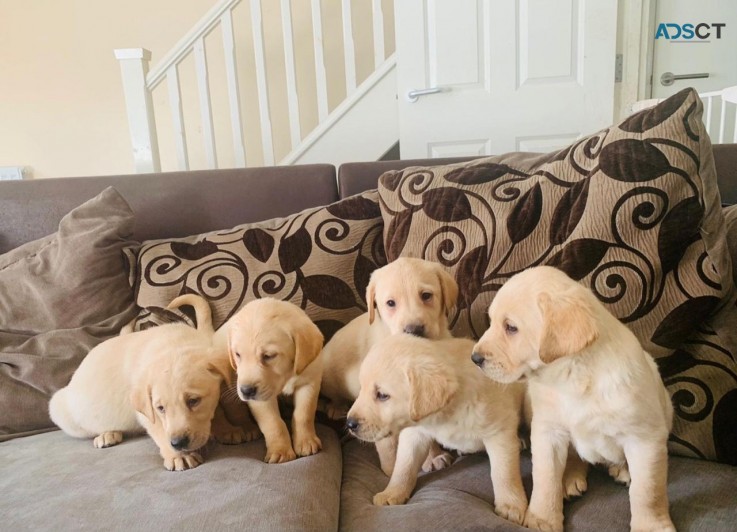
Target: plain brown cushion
{"points": [[59, 297]]}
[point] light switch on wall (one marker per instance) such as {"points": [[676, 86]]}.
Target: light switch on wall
{"points": [[12, 172]]}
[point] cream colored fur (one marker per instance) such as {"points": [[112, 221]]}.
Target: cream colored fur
{"points": [[424, 294], [591, 385], [275, 348], [165, 380], [430, 390]]}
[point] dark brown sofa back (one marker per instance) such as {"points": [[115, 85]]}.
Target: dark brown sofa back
{"points": [[354, 178], [171, 204]]}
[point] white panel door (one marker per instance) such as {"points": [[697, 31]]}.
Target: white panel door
{"points": [[712, 51], [528, 75]]}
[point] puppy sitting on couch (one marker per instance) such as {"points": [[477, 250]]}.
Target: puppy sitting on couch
{"points": [[407, 296], [590, 384], [274, 348], [427, 391], [165, 380]]}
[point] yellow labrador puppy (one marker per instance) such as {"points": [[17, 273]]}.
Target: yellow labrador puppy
{"points": [[274, 348], [165, 380], [425, 391], [590, 383], [409, 295]]}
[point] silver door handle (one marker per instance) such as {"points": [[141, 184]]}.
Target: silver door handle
{"points": [[414, 94], [669, 77]]}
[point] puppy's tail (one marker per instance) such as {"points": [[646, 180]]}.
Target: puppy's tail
{"points": [[201, 309]]}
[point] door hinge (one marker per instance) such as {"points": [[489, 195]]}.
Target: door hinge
{"points": [[618, 68]]}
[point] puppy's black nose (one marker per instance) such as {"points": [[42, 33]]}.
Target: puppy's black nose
{"points": [[180, 442], [248, 391], [415, 330], [478, 359], [351, 423]]}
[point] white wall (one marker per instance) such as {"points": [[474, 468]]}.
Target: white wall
{"points": [[61, 103]]}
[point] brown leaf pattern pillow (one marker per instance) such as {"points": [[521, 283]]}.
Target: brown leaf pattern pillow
{"points": [[320, 259], [633, 212]]}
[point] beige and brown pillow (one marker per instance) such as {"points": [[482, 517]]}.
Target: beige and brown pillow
{"points": [[632, 211], [59, 297], [319, 259]]}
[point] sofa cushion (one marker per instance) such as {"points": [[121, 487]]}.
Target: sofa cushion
{"points": [[52, 481], [633, 212], [460, 497], [59, 297], [320, 259]]}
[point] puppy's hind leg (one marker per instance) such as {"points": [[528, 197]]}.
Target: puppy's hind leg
{"points": [[575, 482], [108, 439], [223, 431], [437, 458]]}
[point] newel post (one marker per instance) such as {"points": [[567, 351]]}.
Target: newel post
{"points": [[140, 109]]}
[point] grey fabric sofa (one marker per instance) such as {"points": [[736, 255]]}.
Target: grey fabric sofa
{"points": [[52, 482]]}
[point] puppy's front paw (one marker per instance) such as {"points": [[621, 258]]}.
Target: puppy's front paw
{"points": [[182, 462], [230, 436], [279, 455], [390, 497], [252, 433], [511, 512], [620, 473], [575, 483], [437, 462], [544, 523], [307, 444], [108, 439]]}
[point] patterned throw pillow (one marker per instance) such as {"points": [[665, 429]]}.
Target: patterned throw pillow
{"points": [[633, 212], [319, 259]]}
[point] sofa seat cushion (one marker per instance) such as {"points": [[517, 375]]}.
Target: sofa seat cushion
{"points": [[52, 481], [460, 497]]}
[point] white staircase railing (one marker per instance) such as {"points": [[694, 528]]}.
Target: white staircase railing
{"points": [[725, 98], [139, 83]]}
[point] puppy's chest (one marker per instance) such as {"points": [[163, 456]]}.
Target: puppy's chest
{"points": [[462, 434], [591, 424]]}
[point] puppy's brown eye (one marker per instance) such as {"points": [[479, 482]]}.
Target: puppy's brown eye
{"points": [[391, 303], [192, 402], [426, 296], [160, 408], [268, 356], [509, 328], [237, 355], [380, 396]]}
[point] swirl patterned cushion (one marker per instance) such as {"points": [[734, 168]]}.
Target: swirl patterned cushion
{"points": [[633, 212], [319, 259]]}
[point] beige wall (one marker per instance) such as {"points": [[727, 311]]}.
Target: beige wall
{"points": [[61, 104]]}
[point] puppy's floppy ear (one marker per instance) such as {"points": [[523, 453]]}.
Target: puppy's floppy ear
{"points": [[221, 366], [449, 289], [231, 357], [308, 342], [141, 400], [430, 389], [371, 298], [568, 325]]}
